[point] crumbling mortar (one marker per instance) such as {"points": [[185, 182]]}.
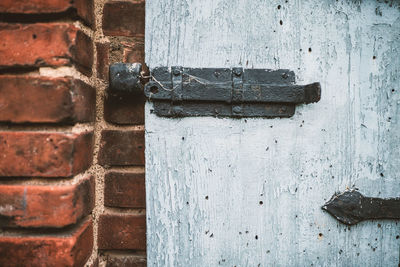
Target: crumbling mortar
{"points": [[97, 170], [124, 211]]}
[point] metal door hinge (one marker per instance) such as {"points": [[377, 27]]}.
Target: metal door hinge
{"points": [[351, 207], [220, 92]]}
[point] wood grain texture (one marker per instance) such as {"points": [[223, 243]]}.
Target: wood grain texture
{"points": [[248, 192]]}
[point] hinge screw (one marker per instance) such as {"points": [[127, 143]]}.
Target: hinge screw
{"points": [[237, 72], [237, 109]]}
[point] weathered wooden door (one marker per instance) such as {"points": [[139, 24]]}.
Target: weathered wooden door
{"points": [[249, 191]]}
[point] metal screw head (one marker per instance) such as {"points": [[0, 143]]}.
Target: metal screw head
{"points": [[176, 72], [237, 72], [237, 109]]}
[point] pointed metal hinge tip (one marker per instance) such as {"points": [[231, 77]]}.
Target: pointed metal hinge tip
{"points": [[351, 207]]}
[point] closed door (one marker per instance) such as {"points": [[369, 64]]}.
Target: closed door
{"points": [[249, 191]]}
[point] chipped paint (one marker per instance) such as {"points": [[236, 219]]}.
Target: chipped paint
{"points": [[350, 138]]}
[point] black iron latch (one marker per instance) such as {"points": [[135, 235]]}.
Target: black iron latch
{"points": [[220, 92]]}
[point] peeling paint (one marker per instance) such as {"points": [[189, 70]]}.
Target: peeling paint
{"points": [[348, 139]]}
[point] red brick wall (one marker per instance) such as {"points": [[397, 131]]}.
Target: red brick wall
{"points": [[72, 157]]}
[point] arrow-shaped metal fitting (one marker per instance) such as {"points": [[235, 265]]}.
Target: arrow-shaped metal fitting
{"points": [[351, 207]]}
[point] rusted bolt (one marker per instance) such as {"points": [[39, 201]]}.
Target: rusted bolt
{"points": [[237, 72], [176, 72], [237, 109], [154, 89]]}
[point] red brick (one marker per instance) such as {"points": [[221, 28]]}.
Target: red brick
{"points": [[44, 154], [102, 63], [134, 51], [45, 100], [51, 44], [119, 148], [125, 190], [131, 18], [68, 249], [84, 7], [120, 231], [124, 109], [28, 205], [85, 10], [34, 6], [126, 260]]}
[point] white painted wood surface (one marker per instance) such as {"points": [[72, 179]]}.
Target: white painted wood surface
{"points": [[248, 192]]}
